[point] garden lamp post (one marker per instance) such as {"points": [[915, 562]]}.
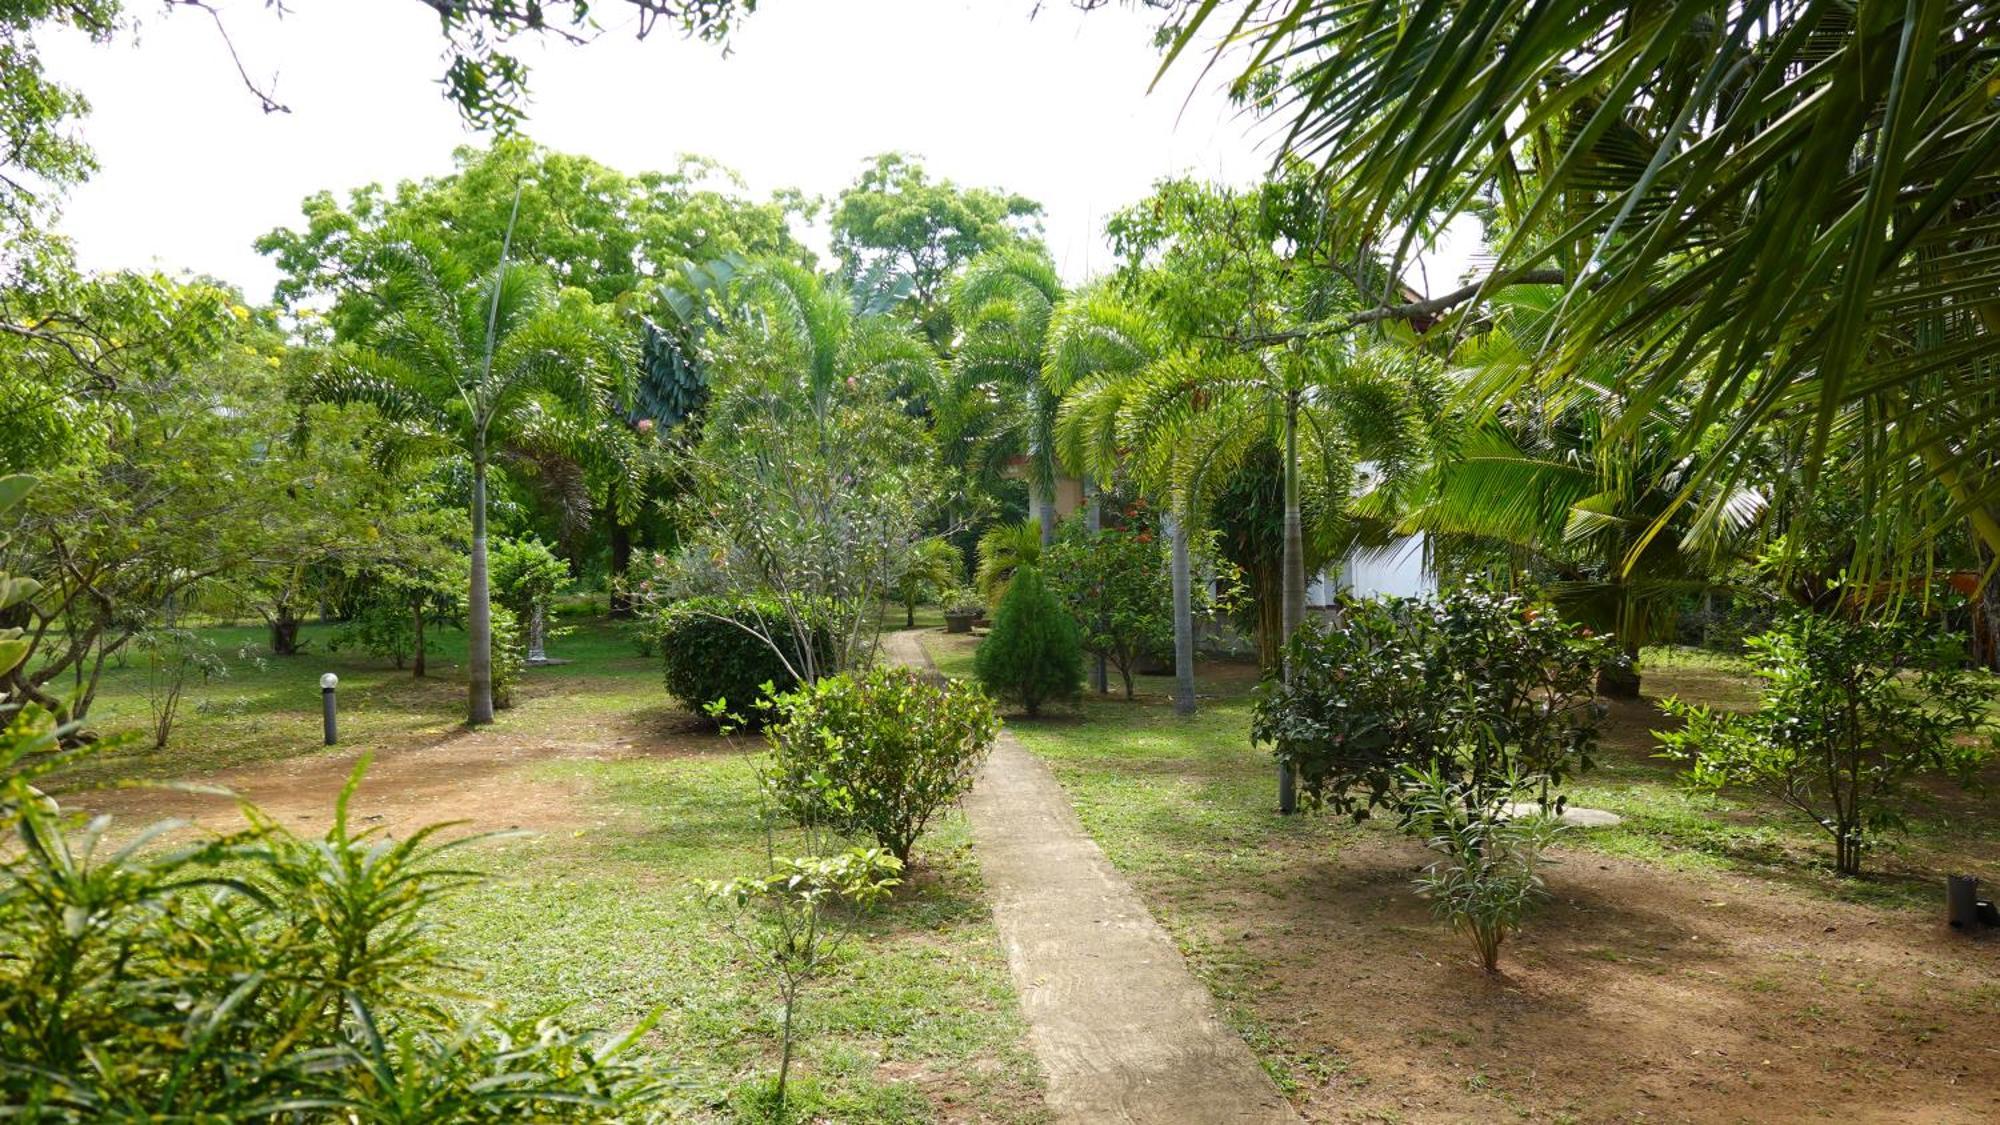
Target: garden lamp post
{"points": [[326, 685]]}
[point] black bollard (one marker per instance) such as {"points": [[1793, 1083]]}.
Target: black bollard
{"points": [[326, 685], [1961, 902]]}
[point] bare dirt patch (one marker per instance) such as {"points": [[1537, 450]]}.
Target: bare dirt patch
{"points": [[483, 778], [1637, 994]]}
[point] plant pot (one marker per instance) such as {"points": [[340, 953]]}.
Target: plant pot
{"points": [[959, 622]]}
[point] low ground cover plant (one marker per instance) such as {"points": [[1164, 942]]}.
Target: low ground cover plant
{"points": [[1851, 712], [877, 754]]}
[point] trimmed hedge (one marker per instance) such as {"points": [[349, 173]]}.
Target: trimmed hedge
{"points": [[708, 656]]}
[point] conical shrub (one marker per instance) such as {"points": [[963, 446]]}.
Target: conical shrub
{"points": [[1033, 654]]}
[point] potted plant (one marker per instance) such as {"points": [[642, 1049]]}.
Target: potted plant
{"points": [[962, 609]]}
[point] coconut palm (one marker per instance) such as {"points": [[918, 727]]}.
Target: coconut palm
{"points": [[472, 364], [1782, 212], [1595, 503]]}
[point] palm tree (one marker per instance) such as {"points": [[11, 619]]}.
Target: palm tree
{"points": [[1783, 213], [816, 472], [1004, 549], [1098, 346], [1003, 304], [1583, 496], [474, 364]]}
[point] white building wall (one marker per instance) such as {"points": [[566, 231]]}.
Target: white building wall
{"points": [[1397, 570]]}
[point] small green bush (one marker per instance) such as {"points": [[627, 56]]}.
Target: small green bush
{"points": [[1395, 683], [510, 655], [877, 754], [1033, 654], [1488, 874], [710, 654], [1851, 713]]}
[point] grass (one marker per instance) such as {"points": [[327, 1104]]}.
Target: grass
{"points": [[603, 922], [1186, 809]]}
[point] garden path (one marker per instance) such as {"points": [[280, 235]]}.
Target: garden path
{"points": [[1123, 1030]]}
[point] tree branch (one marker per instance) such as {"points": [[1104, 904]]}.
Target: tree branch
{"points": [[1408, 311], [265, 101]]}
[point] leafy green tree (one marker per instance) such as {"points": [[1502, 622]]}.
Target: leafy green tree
{"points": [[173, 477], [1116, 584], [811, 483], [473, 364], [526, 575], [894, 220], [1033, 654], [588, 226], [1851, 713]]}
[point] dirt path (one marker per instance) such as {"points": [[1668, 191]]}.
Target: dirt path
{"points": [[1124, 1031]]}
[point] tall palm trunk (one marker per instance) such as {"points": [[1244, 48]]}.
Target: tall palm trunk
{"points": [[479, 606], [1294, 570], [1093, 522], [1176, 527]]}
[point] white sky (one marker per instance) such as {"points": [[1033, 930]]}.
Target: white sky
{"points": [[1055, 108]]}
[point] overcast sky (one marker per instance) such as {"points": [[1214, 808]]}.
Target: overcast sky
{"points": [[1055, 107]]}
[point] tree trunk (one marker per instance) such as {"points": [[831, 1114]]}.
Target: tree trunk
{"points": [[1986, 610], [1294, 569], [479, 608], [417, 661], [1176, 528], [285, 633], [621, 563], [1093, 522], [285, 638]]}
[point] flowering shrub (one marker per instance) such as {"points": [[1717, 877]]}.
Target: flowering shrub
{"points": [[1116, 586]]}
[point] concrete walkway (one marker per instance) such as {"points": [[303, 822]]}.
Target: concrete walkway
{"points": [[1123, 1031]]}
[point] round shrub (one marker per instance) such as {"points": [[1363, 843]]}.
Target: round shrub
{"points": [[710, 654], [878, 754], [1034, 653]]}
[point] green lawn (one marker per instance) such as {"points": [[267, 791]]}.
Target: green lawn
{"points": [[918, 1022]]}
